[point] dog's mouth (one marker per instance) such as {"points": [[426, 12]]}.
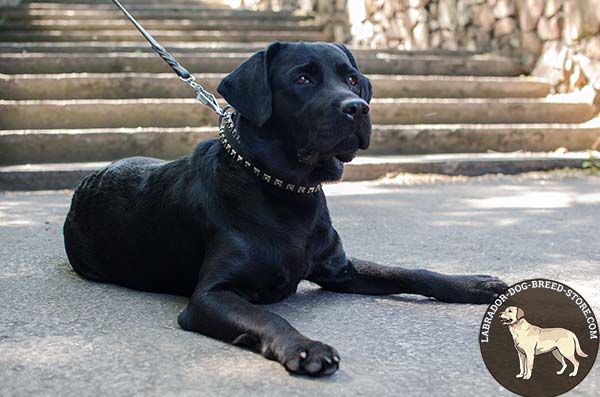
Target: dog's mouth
{"points": [[505, 321], [346, 150], [346, 157]]}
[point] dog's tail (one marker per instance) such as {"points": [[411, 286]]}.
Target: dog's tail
{"points": [[578, 348]]}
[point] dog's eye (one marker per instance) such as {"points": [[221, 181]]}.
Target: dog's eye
{"points": [[352, 80], [302, 79]]}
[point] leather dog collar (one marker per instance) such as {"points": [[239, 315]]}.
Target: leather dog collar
{"points": [[230, 138]]}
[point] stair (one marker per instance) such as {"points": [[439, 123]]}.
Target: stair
{"points": [[214, 62], [79, 87], [164, 85]]}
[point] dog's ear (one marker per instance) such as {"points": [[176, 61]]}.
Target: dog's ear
{"points": [[366, 89], [520, 313], [346, 51], [248, 87]]}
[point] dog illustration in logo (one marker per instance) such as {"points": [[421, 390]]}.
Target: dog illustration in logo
{"points": [[531, 340]]}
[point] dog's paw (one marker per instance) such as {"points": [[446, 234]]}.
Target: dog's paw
{"points": [[480, 288], [308, 357]]}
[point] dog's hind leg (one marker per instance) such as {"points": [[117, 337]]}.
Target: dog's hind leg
{"points": [[566, 347], [575, 363], [561, 360]]}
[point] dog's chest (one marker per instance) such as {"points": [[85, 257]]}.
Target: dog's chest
{"points": [[273, 245], [273, 274], [523, 336], [276, 261]]}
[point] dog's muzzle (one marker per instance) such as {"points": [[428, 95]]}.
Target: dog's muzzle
{"points": [[357, 110]]}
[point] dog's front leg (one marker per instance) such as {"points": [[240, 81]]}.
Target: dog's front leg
{"points": [[529, 359], [521, 364], [363, 277], [224, 315]]}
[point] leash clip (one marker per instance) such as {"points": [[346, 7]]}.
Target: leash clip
{"points": [[203, 96]]}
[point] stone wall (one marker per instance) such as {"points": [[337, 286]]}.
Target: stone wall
{"points": [[558, 39]]}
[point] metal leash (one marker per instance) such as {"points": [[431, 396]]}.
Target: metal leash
{"points": [[203, 96]]}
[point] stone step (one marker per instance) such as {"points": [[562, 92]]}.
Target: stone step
{"points": [[218, 62], [166, 85], [131, 5], [156, 24], [100, 144], [68, 175], [163, 36], [467, 164], [51, 4], [128, 46], [477, 138], [104, 144], [116, 113], [136, 5], [195, 47], [141, 12]]}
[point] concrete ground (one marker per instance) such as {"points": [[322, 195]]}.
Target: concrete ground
{"points": [[64, 336]]}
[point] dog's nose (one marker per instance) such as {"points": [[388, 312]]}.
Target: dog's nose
{"points": [[355, 108]]}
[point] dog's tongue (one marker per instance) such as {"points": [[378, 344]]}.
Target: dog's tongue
{"points": [[345, 157]]}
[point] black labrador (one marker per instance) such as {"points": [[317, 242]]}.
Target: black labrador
{"points": [[242, 220]]}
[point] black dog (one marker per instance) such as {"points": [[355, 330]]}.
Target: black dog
{"points": [[243, 221]]}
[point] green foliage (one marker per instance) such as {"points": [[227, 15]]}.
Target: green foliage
{"points": [[592, 165]]}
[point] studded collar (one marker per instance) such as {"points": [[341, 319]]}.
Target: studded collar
{"points": [[230, 139]]}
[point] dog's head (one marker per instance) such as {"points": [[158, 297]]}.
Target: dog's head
{"points": [[511, 315], [312, 93]]}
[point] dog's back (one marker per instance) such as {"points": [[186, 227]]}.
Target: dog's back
{"points": [[116, 214], [91, 221]]}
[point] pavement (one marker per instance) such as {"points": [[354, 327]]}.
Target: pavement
{"points": [[63, 336]]}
